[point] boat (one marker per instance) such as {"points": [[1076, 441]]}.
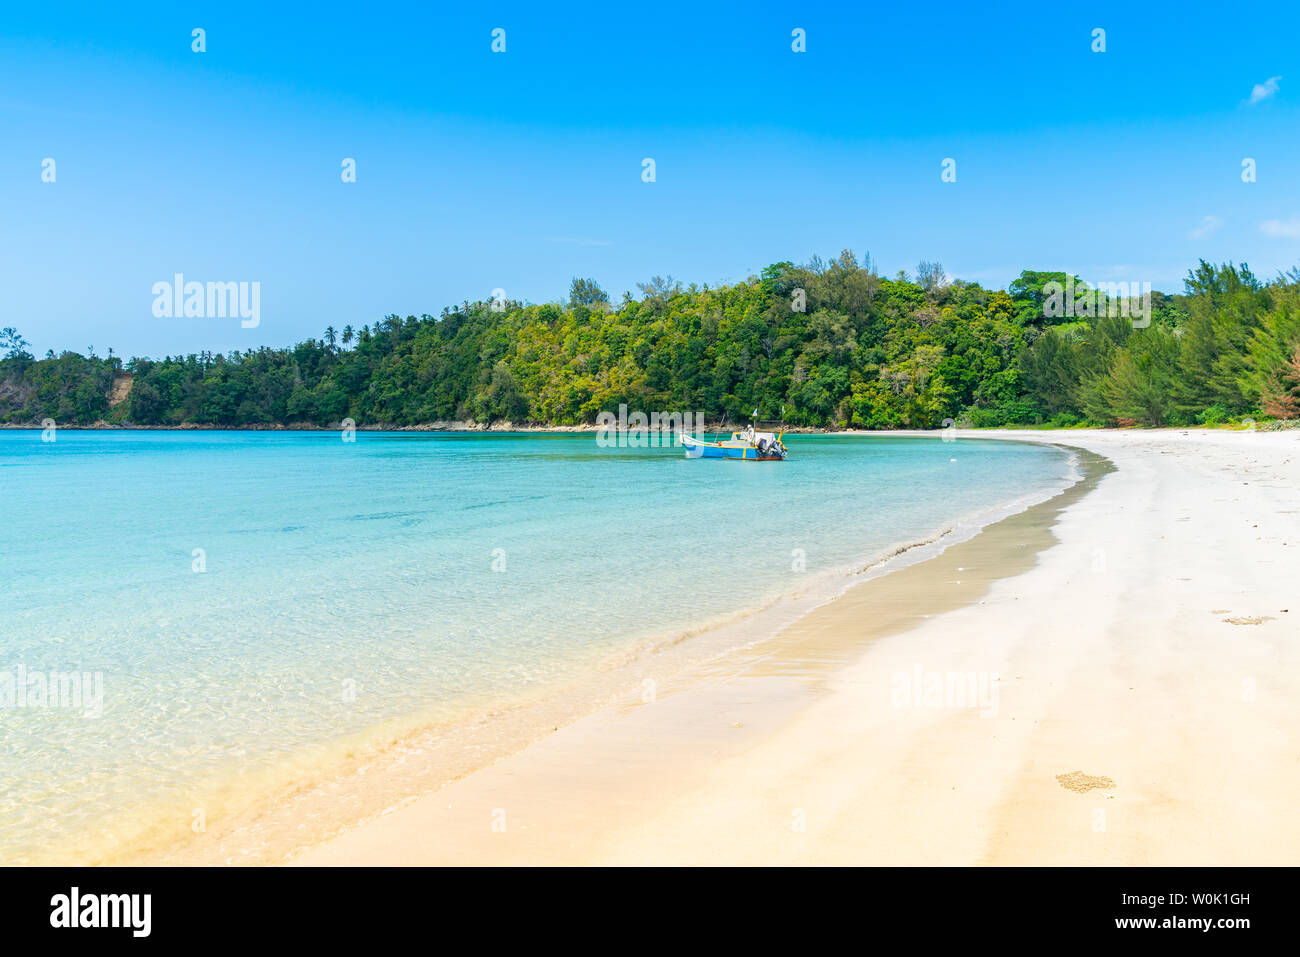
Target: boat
{"points": [[749, 445]]}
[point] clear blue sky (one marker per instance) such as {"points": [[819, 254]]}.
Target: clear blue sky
{"points": [[521, 170]]}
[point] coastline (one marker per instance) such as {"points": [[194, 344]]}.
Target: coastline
{"points": [[528, 428], [1162, 591], [368, 774]]}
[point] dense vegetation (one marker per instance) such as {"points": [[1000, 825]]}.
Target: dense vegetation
{"points": [[830, 343]]}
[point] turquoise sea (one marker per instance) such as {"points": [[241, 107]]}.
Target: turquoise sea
{"points": [[243, 597]]}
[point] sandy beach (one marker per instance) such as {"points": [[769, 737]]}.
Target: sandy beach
{"points": [[1107, 678]]}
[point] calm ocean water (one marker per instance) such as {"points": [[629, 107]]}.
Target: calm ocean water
{"points": [[343, 584]]}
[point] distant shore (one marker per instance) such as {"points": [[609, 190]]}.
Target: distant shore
{"points": [[471, 426], [441, 426]]}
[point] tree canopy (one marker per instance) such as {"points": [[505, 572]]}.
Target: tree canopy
{"points": [[832, 343]]}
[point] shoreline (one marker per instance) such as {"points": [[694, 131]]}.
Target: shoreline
{"points": [[799, 650], [1145, 598], [413, 756]]}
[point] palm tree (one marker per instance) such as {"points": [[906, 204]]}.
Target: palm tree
{"points": [[330, 337], [347, 334]]}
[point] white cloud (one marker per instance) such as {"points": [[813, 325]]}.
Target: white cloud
{"points": [[1281, 229], [1262, 91], [1208, 226]]}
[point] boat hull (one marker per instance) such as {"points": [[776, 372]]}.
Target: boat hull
{"points": [[695, 449]]}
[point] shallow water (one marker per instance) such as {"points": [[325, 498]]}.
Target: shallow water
{"points": [[244, 597]]}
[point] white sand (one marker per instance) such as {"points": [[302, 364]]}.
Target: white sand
{"points": [[1113, 658]]}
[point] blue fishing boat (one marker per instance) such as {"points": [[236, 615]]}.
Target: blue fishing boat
{"points": [[748, 446]]}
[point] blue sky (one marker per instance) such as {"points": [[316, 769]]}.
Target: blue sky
{"points": [[522, 170]]}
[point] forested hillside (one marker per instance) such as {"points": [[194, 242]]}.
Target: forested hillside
{"points": [[833, 343]]}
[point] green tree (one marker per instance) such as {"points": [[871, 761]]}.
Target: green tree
{"points": [[586, 292]]}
